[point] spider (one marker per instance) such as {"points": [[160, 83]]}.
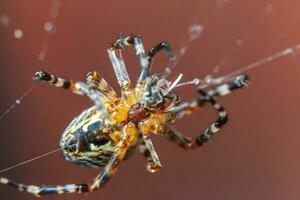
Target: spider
{"points": [[108, 132]]}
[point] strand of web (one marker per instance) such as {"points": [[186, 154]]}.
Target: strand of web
{"points": [[210, 80], [32, 159], [193, 33], [17, 102], [49, 28]]}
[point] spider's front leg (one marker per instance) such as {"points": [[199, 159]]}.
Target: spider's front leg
{"points": [[209, 97], [55, 81], [147, 149], [128, 136]]}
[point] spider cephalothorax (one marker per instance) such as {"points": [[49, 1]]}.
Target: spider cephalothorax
{"points": [[137, 113], [108, 132]]}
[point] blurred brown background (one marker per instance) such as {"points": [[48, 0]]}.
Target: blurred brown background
{"points": [[254, 157]]}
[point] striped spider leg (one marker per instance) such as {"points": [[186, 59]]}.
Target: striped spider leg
{"points": [[129, 133], [190, 107], [76, 87], [159, 47], [94, 81]]}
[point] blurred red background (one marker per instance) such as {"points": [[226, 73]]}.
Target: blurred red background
{"points": [[254, 157]]}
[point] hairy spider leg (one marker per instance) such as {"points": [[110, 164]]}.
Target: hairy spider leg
{"points": [[95, 81], [209, 97], [128, 134], [147, 149]]}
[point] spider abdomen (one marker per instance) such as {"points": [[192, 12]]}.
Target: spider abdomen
{"points": [[86, 141]]}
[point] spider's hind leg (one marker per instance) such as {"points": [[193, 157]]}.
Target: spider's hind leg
{"points": [[128, 135]]}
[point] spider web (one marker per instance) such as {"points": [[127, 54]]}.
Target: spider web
{"points": [[194, 31]]}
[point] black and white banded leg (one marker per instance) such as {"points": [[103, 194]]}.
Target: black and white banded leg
{"points": [[188, 108], [54, 80], [109, 170], [188, 143], [159, 47], [239, 82], [218, 124]]}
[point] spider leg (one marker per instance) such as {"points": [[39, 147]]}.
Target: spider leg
{"points": [[136, 41], [117, 61], [54, 80], [227, 88], [95, 81], [159, 47], [116, 58], [97, 97], [110, 169], [188, 143], [76, 87], [129, 133], [210, 96], [147, 149], [146, 62], [140, 52], [180, 139], [204, 98]]}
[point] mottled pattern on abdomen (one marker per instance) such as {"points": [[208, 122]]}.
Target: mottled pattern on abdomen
{"points": [[85, 143]]}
